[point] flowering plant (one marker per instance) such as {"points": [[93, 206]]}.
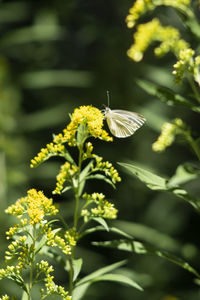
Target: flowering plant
{"points": [[37, 232]]}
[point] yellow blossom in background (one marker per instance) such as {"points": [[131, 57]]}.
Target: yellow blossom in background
{"points": [[187, 64], [36, 205], [169, 297], [5, 297], [152, 31], [140, 7], [168, 134]]}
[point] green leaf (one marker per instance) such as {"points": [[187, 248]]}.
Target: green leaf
{"points": [[76, 265], [183, 174], [191, 22], [101, 177], [83, 176], [166, 95], [80, 291], [18, 280], [153, 181], [111, 229], [25, 296], [68, 157], [141, 248], [82, 134], [82, 285], [102, 222], [119, 278], [183, 194], [148, 234], [67, 188], [100, 272]]}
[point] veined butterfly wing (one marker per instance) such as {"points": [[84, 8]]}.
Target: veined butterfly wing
{"points": [[123, 123]]}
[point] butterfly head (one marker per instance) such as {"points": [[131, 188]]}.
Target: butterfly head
{"points": [[105, 110]]}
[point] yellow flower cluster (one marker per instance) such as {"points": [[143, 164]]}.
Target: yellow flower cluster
{"points": [[103, 209], [107, 168], [71, 237], [90, 116], [12, 231], [10, 271], [140, 7], [5, 297], [168, 37], [88, 153], [187, 64], [168, 133], [18, 249], [66, 173], [51, 287], [36, 205], [45, 153], [54, 240]]}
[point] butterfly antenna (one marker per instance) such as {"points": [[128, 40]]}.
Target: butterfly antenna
{"points": [[108, 97]]}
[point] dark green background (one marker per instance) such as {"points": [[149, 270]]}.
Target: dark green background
{"points": [[58, 55]]}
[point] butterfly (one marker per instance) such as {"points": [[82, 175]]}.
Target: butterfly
{"points": [[123, 123]]}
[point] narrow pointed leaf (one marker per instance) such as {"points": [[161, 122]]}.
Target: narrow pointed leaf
{"points": [[102, 222], [82, 134], [85, 171], [76, 264], [183, 174], [167, 95], [83, 177], [25, 296], [68, 156], [141, 248], [80, 291], [153, 181], [111, 229], [119, 278], [67, 188], [101, 177], [100, 272]]}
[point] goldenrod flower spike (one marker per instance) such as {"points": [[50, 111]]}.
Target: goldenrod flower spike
{"points": [[152, 31], [140, 7], [36, 205], [168, 134]]}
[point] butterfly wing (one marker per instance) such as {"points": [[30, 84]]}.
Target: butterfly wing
{"points": [[123, 123]]}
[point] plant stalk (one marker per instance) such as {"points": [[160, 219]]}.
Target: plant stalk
{"points": [[76, 216]]}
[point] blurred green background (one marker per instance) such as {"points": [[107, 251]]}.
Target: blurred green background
{"points": [[58, 55]]}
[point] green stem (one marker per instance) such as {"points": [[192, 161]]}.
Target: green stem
{"points": [[77, 188], [193, 145], [76, 216], [195, 90], [69, 265], [30, 286]]}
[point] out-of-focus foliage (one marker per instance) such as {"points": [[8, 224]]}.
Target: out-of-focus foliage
{"points": [[56, 55]]}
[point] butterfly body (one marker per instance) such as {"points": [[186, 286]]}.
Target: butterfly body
{"points": [[123, 123]]}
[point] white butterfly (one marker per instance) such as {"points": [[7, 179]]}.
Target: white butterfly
{"points": [[123, 123]]}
